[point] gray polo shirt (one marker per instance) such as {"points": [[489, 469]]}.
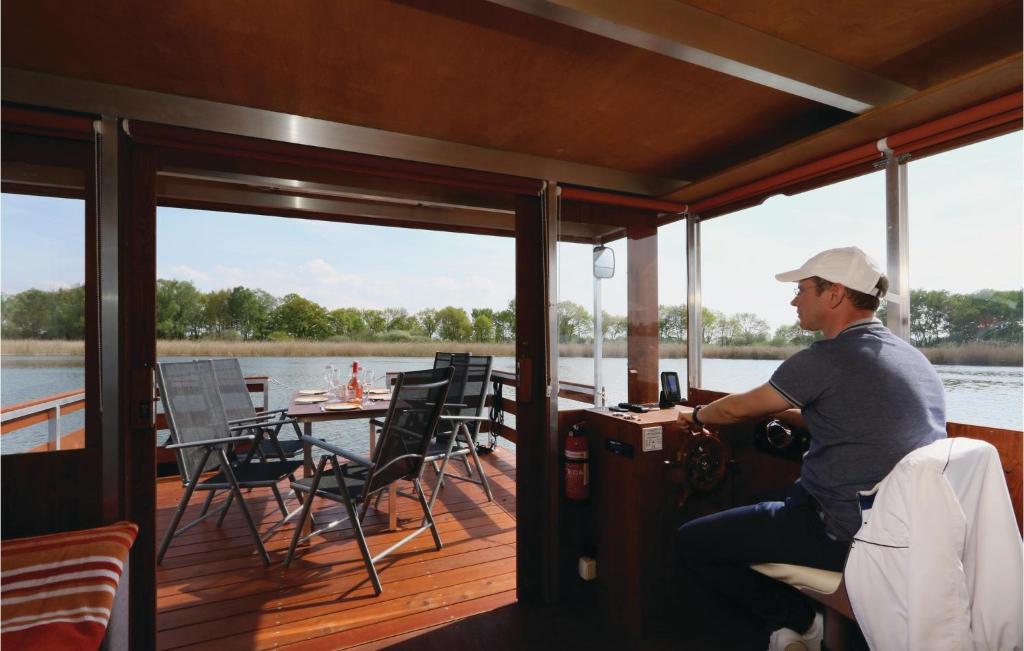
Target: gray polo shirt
{"points": [[868, 398]]}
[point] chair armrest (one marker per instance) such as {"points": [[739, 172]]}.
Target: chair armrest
{"points": [[260, 416], [261, 424], [333, 449], [192, 444], [462, 418]]}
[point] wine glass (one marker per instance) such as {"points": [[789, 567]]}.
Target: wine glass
{"points": [[329, 378], [367, 381]]}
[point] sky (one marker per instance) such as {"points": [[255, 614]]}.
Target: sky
{"points": [[966, 233]]}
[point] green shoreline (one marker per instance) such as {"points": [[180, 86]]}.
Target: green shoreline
{"points": [[974, 354]]}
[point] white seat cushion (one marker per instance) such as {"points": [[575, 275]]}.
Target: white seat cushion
{"points": [[803, 578]]}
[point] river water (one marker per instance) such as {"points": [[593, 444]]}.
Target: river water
{"points": [[979, 395]]}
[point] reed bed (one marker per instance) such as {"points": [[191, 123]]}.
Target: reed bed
{"points": [[977, 354], [974, 354]]}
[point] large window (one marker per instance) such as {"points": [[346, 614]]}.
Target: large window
{"points": [[672, 316], [966, 234], [579, 232], [749, 325], [42, 277]]}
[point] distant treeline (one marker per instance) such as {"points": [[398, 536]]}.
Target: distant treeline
{"points": [[244, 314]]}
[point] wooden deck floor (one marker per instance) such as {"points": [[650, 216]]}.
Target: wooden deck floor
{"points": [[213, 592]]}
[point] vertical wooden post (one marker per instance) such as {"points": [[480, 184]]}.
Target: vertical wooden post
{"points": [[127, 327], [642, 310], [537, 487]]}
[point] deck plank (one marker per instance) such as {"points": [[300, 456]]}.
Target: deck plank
{"points": [[213, 593]]}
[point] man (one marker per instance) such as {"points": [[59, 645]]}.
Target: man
{"points": [[866, 396]]}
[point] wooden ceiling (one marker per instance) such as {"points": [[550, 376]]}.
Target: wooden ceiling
{"points": [[477, 73]]}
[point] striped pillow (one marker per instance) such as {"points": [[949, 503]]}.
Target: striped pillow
{"points": [[56, 591]]}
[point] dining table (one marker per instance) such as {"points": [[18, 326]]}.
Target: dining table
{"points": [[307, 408]]}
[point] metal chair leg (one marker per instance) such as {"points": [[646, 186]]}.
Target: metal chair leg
{"points": [[176, 520], [280, 500], [307, 504], [427, 515], [224, 510], [206, 503], [479, 467], [241, 504], [364, 549], [440, 474]]}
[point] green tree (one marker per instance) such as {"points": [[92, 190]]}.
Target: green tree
{"points": [[709, 323], [179, 309], [929, 316], [348, 322], [397, 318], [249, 312], [726, 330], [301, 318], [217, 312], [574, 322], [29, 315], [69, 319], [672, 322], [750, 329], [505, 323], [614, 326], [794, 335], [376, 323], [454, 324], [483, 327], [426, 321]]}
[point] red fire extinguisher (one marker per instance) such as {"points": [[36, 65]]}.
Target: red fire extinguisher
{"points": [[577, 466]]}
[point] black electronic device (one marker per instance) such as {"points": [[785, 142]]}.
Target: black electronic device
{"points": [[632, 406], [618, 409], [670, 392]]}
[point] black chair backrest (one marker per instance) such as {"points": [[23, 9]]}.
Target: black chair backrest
{"points": [[416, 403], [473, 380], [233, 391], [458, 361], [194, 410]]}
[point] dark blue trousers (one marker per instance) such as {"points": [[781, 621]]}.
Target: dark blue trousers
{"points": [[719, 548]]}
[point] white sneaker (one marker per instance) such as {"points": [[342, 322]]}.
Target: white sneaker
{"points": [[786, 639]]}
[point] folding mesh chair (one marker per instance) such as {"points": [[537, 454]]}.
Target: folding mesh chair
{"points": [[240, 411], [465, 411], [416, 403], [203, 442]]}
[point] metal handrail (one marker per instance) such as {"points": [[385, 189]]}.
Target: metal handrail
{"points": [[50, 409]]}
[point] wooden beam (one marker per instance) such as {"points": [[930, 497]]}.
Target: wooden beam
{"points": [[535, 452], [130, 448], [991, 82], [642, 313], [701, 38]]}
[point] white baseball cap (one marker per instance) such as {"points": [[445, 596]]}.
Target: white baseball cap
{"points": [[848, 266]]}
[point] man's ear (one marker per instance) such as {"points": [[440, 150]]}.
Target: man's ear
{"points": [[835, 299]]}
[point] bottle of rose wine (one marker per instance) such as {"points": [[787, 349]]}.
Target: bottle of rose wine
{"points": [[355, 388]]}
